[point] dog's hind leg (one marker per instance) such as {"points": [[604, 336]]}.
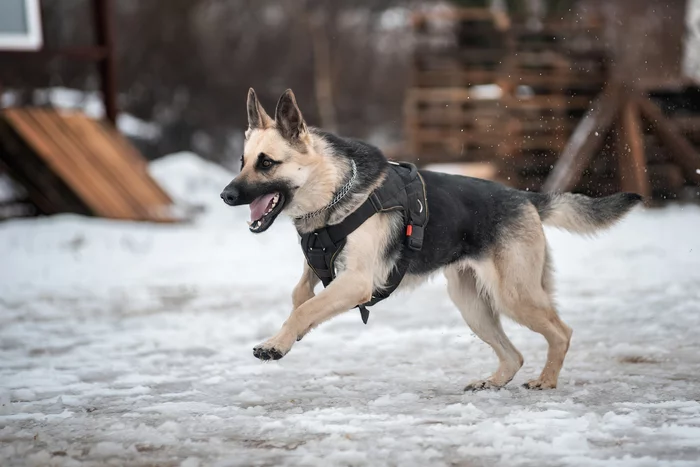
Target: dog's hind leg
{"points": [[521, 290], [486, 324]]}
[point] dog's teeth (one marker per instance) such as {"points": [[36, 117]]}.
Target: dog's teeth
{"points": [[249, 223]]}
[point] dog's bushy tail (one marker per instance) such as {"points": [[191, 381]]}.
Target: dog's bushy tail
{"points": [[582, 214]]}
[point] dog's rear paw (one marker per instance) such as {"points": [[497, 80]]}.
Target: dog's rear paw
{"points": [[539, 384], [481, 385], [267, 353]]}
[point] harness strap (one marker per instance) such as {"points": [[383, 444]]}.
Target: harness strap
{"points": [[400, 191]]}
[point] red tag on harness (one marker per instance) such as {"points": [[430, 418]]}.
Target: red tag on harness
{"points": [[409, 230]]}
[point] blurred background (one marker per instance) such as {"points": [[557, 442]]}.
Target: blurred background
{"points": [[497, 87], [131, 296]]}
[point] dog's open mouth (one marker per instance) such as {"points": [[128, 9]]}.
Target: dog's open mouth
{"points": [[264, 210]]}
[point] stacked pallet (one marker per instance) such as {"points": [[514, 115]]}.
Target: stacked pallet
{"points": [[538, 85], [627, 142], [548, 116], [551, 76], [447, 116], [668, 179]]}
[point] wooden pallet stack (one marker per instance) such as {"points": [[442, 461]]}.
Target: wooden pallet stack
{"points": [[667, 178], [446, 117], [550, 78], [555, 120], [542, 81], [626, 141]]}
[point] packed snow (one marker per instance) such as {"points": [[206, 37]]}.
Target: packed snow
{"points": [[131, 344]]}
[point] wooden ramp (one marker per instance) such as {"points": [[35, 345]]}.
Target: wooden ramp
{"points": [[68, 162]]}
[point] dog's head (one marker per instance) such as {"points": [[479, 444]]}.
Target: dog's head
{"points": [[278, 160]]}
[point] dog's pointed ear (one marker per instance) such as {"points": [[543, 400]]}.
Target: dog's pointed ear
{"points": [[257, 118], [288, 117]]}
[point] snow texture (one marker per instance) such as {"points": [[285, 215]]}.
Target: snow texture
{"points": [[131, 344]]}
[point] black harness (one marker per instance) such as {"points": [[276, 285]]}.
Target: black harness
{"points": [[403, 190]]}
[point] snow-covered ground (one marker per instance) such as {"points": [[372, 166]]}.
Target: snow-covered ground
{"points": [[131, 344]]}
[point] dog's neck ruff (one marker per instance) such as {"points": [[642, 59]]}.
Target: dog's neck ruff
{"points": [[342, 193]]}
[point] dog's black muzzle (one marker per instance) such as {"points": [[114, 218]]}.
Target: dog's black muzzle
{"points": [[232, 195], [239, 192]]}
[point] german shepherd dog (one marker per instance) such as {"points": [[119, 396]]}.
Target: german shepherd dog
{"points": [[486, 238]]}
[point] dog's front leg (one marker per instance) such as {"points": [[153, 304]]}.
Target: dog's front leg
{"points": [[304, 290], [347, 291]]}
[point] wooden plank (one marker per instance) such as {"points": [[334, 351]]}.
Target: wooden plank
{"points": [[560, 79], [435, 79], [109, 163], [42, 145], [104, 34], [64, 158], [103, 170], [587, 138], [132, 178], [552, 101], [89, 164], [46, 189], [439, 134], [135, 160], [553, 142], [446, 94], [632, 164], [680, 149]]}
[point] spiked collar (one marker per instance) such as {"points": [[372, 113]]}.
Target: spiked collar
{"points": [[342, 193]]}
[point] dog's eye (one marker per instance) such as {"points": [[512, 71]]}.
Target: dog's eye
{"points": [[264, 162]]}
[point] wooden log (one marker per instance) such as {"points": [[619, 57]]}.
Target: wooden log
{"points": [[587, 138], [632, 164], [680, 149]]}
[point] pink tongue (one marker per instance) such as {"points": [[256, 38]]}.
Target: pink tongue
{"points": [[259, 206]]}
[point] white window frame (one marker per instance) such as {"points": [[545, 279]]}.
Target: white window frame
{"points": [[33, 39]]}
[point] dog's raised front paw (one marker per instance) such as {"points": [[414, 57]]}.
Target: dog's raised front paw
{"points": [[267, 353], [482, 385]]}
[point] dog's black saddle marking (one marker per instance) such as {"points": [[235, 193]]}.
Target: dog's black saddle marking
{"points": [[403, 190]]}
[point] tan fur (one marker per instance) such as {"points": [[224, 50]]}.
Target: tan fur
{"points": [[568, 211], [513, 279]]}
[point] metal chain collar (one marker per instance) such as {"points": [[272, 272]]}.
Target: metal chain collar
{"points": [[344, 190]]}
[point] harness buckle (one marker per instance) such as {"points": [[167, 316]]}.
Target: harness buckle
{"points": [[414, 234]]}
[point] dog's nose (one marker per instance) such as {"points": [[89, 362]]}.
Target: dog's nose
{"points": [[229, 195]]}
